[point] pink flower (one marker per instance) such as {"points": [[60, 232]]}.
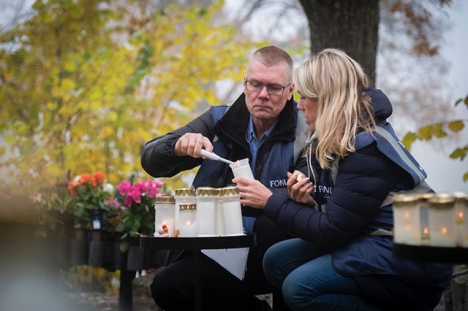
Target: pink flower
{"points": [[124, 187], [143, 192], [154, 188]]}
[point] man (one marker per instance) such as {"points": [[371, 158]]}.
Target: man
{"points": [[263, 125]]}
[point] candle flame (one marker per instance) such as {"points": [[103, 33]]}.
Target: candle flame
{"points": [[406, 214], [460, 215], [444, 230], [188, 223], [426, 231]]}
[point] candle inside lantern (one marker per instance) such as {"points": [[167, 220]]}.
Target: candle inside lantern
{"points": [[183, 196], [241, 168], [406, 220], [424, 213], [461, 212], [188, 223], [164, 220], [219, 225], [459, 229], [206, 211], [232, 211], [441, 220]]}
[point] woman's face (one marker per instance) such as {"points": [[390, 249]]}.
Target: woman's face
{"points": [[309, 108]]}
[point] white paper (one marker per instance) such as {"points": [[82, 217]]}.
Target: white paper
{"points": [[233, 260]]}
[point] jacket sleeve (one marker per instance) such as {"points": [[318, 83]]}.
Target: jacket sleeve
{"points": [[363, 181], [158, 158]]}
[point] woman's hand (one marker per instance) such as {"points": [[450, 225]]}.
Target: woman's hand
{"points": [[300, 190], [252, 192]]}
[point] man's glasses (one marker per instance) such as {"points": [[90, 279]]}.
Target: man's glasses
{"points": [[272, 89]]}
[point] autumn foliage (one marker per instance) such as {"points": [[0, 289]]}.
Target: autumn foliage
{"points": [[84, 84]]}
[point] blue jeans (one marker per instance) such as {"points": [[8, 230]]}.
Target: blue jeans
{"points": [[308, 280]]}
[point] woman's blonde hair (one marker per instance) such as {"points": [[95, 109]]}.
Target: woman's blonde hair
{"points": [[338, 83]]}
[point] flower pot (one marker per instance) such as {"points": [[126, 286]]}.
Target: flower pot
{"points": [[117, 255], [96, 254], [79, 248], [61, 252], [96, 216]]}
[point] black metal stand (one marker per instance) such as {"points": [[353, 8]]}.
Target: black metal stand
{"points": [[197, 244], [457, 255]]}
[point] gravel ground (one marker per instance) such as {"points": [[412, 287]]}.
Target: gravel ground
{"points": [[93, 302]]}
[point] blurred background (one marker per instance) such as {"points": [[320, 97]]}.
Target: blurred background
{"points": [[84, 84]]}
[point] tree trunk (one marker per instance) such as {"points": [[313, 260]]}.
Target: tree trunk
{"points": [[348, 25]]}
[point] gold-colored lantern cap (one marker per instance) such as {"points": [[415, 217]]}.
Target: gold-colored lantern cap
{"points": [[164, 199], [185, 192], [403, 200], [442, 200], [460, 197], [206, 191], [228, 191]]}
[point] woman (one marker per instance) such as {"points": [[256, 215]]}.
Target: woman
{"points": [[342, 258]]}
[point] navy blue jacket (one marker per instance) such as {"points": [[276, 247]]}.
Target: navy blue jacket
{"points": [[226, 127], [353, 213]]}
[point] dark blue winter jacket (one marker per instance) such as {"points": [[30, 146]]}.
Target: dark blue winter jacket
{"points": [[356, 228], [226, 127]]}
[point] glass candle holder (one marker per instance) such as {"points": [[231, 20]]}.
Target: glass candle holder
{"points": [[424, 213], [241, 168], [219, 223], [461, 218], [406, 220], [188, 220], [164, 220], [232, 211], [206, 211], [183, 196], [442, 220]]}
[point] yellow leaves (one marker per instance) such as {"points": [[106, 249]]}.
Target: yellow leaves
{"points": [[436, 130], [10, 139], [456, 126], [67, 110], [459, 153], [461, 100], [69, 65], [51, 105], [101, 100], [68, 85], [428, 131], [112, 117], [106, 132], [409, 139], [95, 104]]}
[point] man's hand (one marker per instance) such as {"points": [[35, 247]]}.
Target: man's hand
{"points": [[300, 190], [190, 144], [252, 192]]}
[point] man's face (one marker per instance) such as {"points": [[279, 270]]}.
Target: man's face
{"points": [[262, 105]]}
